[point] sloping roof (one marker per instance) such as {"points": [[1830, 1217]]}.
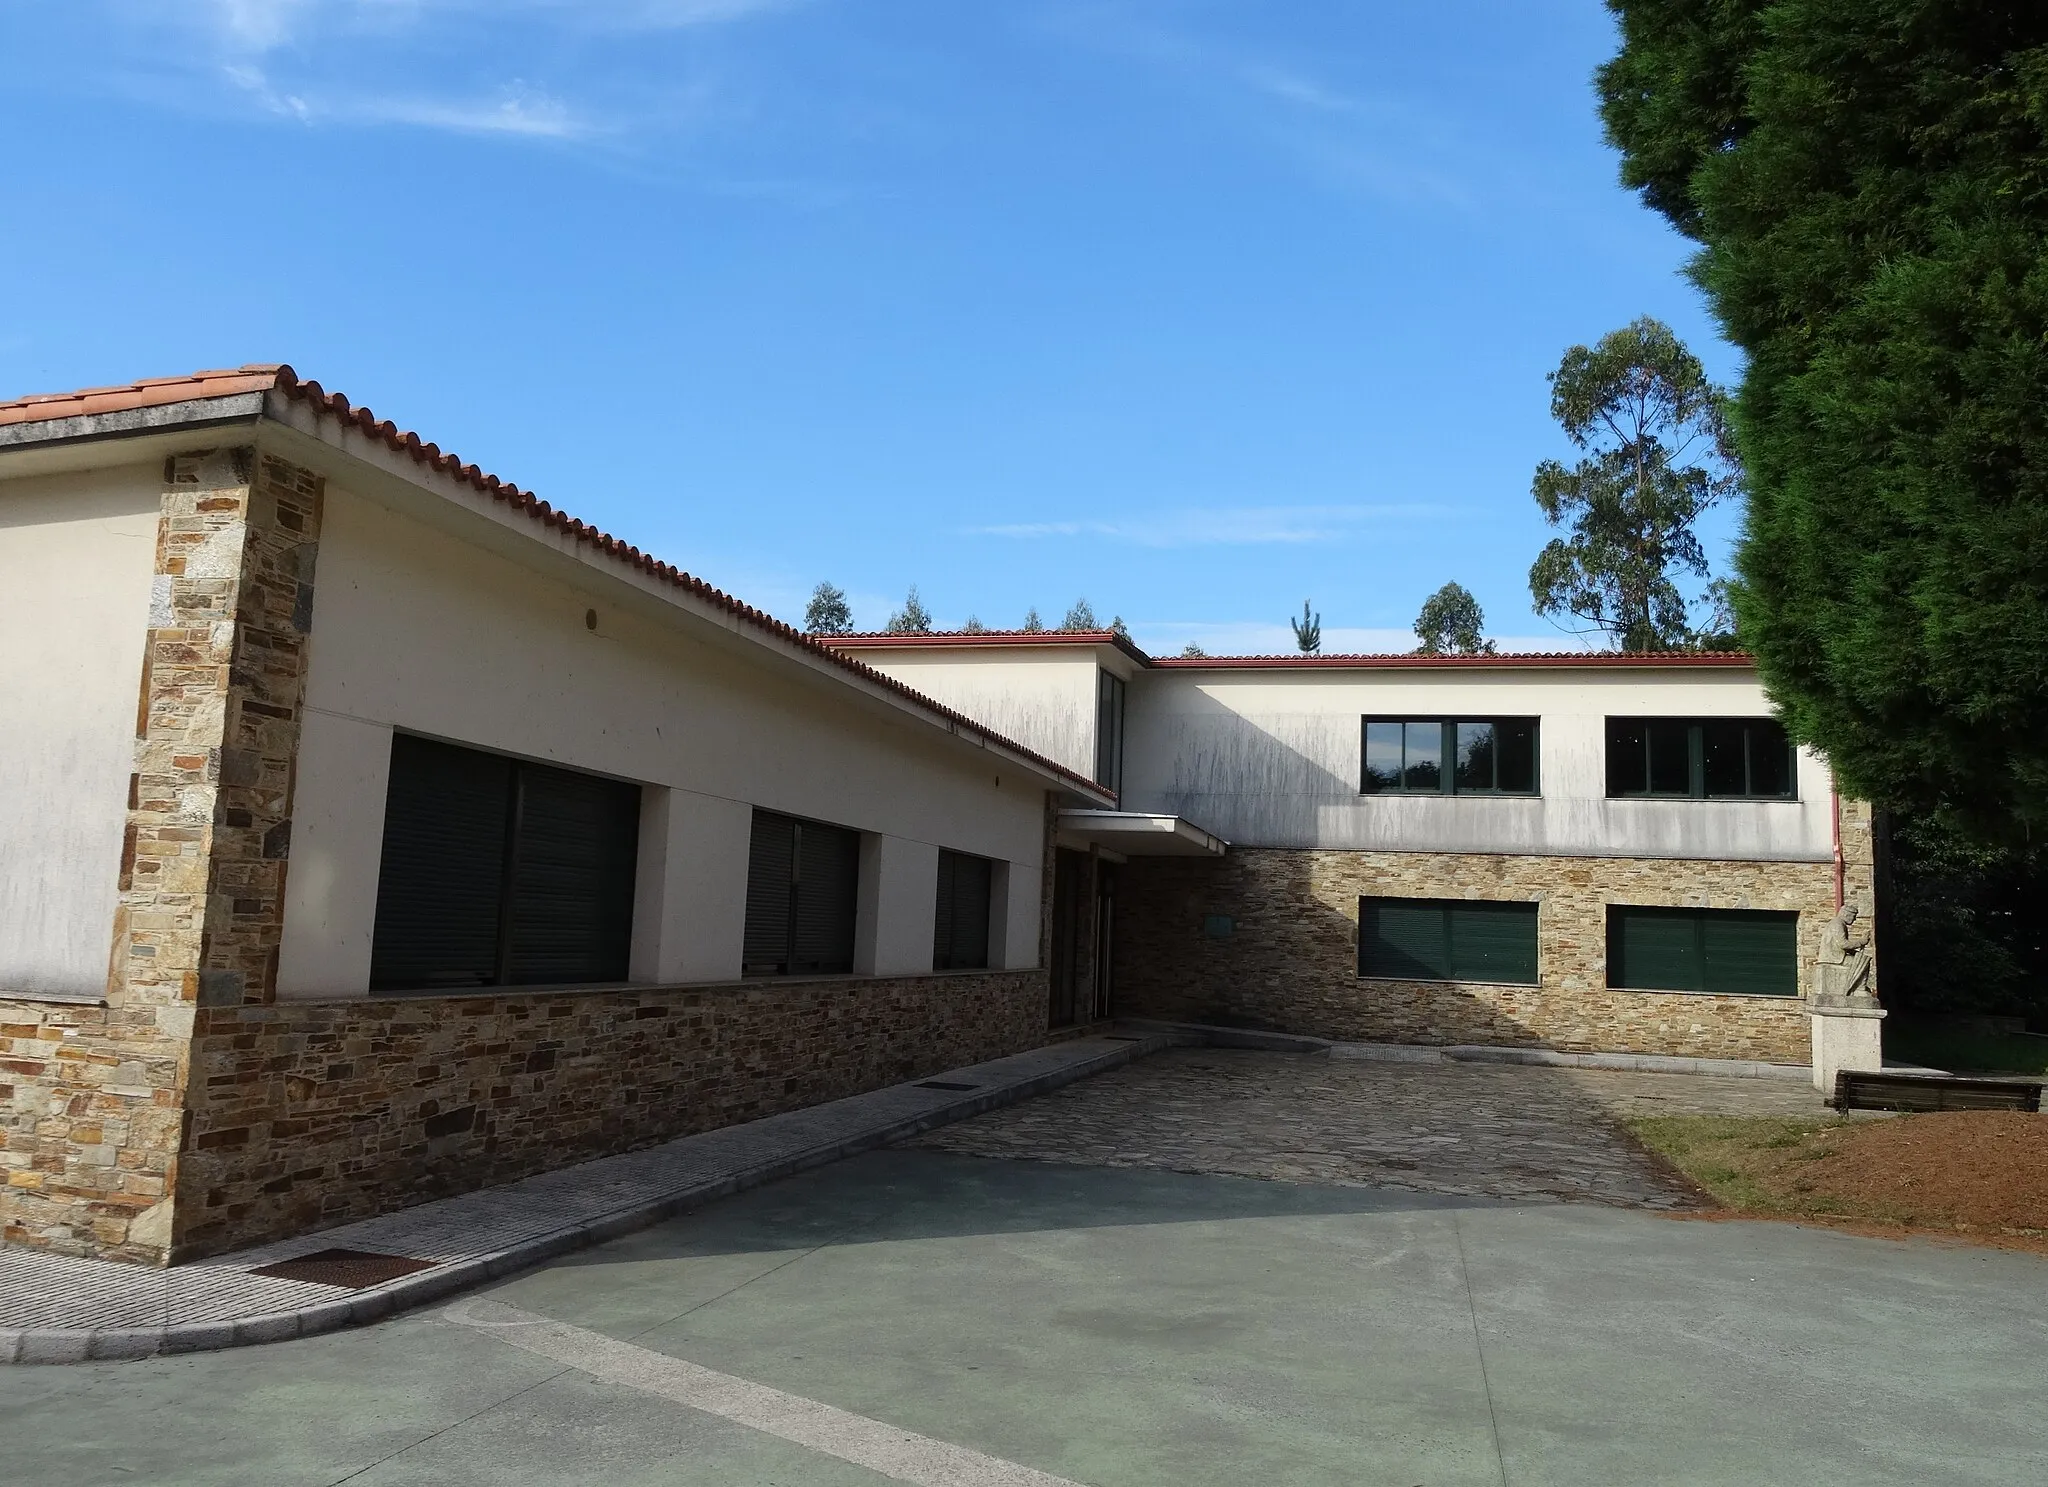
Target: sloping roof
{"points": [[881, 640], [886, 640], [150, 392], [1582, 660], [154, 392]]}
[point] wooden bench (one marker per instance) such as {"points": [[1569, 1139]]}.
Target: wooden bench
{"points": [[1872, 1090]]}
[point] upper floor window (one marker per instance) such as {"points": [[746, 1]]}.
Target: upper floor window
{"points": [[1109, 731], [1450, 756], [1700, 758]]}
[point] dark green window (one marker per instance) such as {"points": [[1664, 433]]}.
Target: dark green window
{"points": [[960, 928], [1446, 939], [1741, 952], [1700, 758], [803, 882], [501, 872], [1449, 756]]}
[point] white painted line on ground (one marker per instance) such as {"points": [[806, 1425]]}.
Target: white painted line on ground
{"points": [[890, 1450]]}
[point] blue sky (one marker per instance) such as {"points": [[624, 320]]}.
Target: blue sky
{"points": [[1197, 308]]}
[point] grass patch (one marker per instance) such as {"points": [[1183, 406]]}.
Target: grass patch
{"points": [[1748, 1163], [1981, 1173], [1965, 1052]]}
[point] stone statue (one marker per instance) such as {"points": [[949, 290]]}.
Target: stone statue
{"points": [[1842, 968]]}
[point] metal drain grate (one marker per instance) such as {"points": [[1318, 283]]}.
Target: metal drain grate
{"points": [[353, 1269], [944, 1084]]}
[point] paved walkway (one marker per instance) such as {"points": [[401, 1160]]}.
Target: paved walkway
{"points": [[59, 1309], [911, 1316], [1470, 1129]]}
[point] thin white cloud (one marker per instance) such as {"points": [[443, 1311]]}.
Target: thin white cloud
{"points": [[1382, 143], [1293, 87], [1215, 527], [257, 26], [518, 109]]}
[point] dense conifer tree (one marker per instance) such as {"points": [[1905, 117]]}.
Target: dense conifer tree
{"points": [[1868, 180]]}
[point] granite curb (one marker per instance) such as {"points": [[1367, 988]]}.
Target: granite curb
{"points": [[51, 1345]]}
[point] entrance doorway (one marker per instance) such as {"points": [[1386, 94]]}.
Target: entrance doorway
{"points": [[1071, 901], [1105, 944]]}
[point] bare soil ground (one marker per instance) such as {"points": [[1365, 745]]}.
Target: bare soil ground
{"points": [[1978, 1175]]}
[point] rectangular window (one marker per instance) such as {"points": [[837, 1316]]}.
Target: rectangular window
{"points": [[1744, 952], [803, 881], [500, 872], [1109, 731], [1447, 939], [960, 935], [1449, 756], [1700, 759]]}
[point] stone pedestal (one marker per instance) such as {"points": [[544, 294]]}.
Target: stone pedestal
{"points": [[1847, 1034]]}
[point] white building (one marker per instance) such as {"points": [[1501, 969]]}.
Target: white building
{"points": [[375, 831]]}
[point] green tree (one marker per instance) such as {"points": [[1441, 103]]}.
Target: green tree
{"points": [[973, 626], [911, 619], [1308, 630], [1452, 624], [1193, 652], [1640, 405], [1032, 623], [1869, 186], [1080, 617], [828, 613], [1118, 628]]}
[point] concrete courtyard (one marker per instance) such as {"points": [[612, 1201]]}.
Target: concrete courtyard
{"points": [[984, 1319]]}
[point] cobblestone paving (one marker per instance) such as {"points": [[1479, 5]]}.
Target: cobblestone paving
{"points": [[1484, 1130]]}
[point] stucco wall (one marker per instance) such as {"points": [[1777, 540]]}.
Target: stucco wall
{"points": [[76, 556], [416, 630], [1044, 699], [1290, 960], [1272, 759]]}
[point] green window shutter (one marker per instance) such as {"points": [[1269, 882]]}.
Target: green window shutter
{"points": [[1750, 951], [440, 886], [961, 925], [1745, 952], [827, 889], [572, 878], [1493, 942], [1402, 940], [1653, 949], [1430, 939], [771, 891]]}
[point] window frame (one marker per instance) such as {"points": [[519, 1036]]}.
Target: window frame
{"points": [[1111, 695], [1448, 724], [1696, 769]]}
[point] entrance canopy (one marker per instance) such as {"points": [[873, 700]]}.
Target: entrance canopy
{"points": [[1137, 834]]}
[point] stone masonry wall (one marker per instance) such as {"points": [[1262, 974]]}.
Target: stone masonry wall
{"points": [[1291, 960], [95, 1098], [319, 1113]]}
